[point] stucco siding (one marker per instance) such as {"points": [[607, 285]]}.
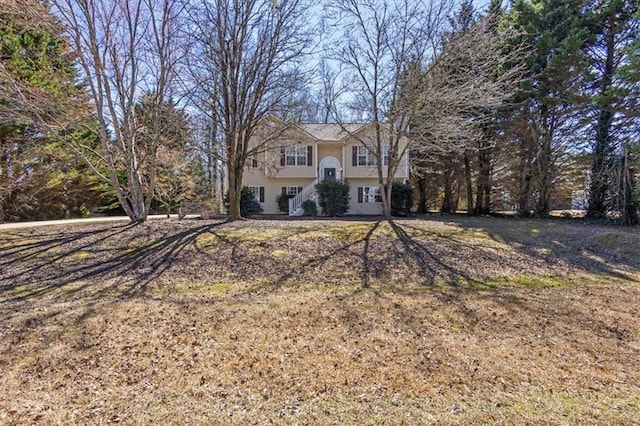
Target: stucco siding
{"points": [[326, 142], [371, 171], [272, 189], [362, 208]]}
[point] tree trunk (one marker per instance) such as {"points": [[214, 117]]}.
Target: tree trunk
{"points": [[468, 183], [386, 198], [422, 195], [235, 188], [525, 176], [600, 167], [448, 200], [630, 202], [483, 190], [137, 196], [544, 175]]}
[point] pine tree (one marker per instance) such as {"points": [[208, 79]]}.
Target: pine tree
{"points": [[176, 175], [614, 28], [555, 30], [40, 103]]}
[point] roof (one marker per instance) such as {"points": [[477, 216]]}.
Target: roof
{"points": [[330, 132]]}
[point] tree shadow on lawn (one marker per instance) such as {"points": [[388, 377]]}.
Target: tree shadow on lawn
{"points": [[314, 262], [412, 250], [467, 253], [408, 254], [42, 277], [41, 266], [560, 242], [397, 258]]}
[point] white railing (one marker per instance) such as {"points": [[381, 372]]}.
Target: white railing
{"points": [[295, 203]]}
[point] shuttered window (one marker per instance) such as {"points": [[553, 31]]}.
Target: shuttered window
{"points": [[258, 193], [369, 194], [362, 156], [296, 155]]}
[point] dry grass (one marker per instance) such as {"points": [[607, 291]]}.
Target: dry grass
{"points": [[441, 320]]}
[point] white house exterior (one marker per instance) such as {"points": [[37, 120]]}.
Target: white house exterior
{"points": [[295, 157]]}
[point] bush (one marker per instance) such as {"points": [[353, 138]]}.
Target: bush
{"points": [[309, 208], [401, 199], [333, 197], [248, 203], [283, 202]]}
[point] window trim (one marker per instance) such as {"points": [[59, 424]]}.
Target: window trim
{"points": [[384, 151], [292, 190], [364, 157], [258, 193], [369, 194], [296, 156]]}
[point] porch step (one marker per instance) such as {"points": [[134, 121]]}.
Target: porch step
{"points": [[307, 193]]}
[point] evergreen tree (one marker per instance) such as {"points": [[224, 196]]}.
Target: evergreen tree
{"points": [[462, 91], [40, 105], [614, 28], [556, 32], [176, 173]]}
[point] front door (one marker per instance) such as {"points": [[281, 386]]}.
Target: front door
{"points": [[330, 173]]}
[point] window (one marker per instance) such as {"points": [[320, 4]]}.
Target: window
{"points": [[362, 156], [385, 155], [258, 193], [252, 162], [297, 155], [291, 190], [369, 194], [365, 157]]}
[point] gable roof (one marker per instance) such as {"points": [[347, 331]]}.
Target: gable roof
{"points": [[330, 132]]}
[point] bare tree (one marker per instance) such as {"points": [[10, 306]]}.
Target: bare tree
{"points": [[176, 182], [383, 48], [126, 49], [246, 62], [330, 90], [208, 151], [462, 91]]}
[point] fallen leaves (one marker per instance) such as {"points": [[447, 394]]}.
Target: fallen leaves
{"points": [[311, 322]]}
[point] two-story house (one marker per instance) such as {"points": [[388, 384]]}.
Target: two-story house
{"points": [[295, 157]]}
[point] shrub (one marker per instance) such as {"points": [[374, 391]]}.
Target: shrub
{"points": [[333, 197], [283, 202], [309, 208], [248, 203], [401, 199]]}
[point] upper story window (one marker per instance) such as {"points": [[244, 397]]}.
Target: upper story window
{"points": [[362, 156], [385, 155], [365, 157], [296, 155]]}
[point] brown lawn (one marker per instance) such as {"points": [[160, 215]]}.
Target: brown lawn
{"points": [[445, 320]]}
